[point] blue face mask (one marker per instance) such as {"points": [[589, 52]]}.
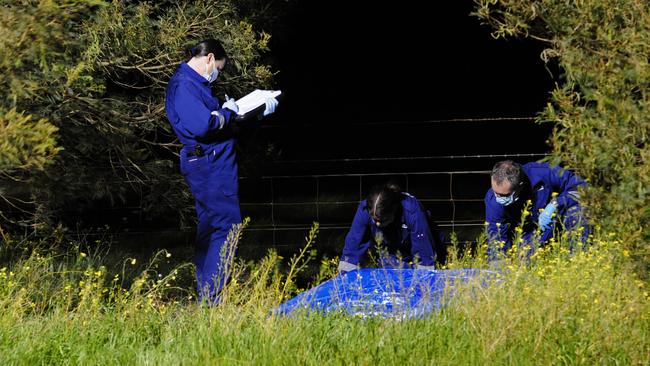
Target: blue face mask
{"points": [[506, 200]]}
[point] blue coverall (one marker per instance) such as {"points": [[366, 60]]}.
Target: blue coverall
{"points": [[543, 180], [412, 237], [208, 164]]}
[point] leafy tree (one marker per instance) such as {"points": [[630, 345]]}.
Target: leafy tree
{"points": [[601, 107], [83, 113]]}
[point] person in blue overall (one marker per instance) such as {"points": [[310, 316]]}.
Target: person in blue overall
{"points": [[554, 198], [399, 224], [207, 158]]}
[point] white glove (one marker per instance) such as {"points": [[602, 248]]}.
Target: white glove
{"points": [[347, 267], [271, 104], [430, 268], [230, 104]]}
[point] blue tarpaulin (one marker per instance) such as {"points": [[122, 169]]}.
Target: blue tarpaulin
{"points": [[401, 293]]}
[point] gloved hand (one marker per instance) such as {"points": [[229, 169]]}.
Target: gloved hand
{"points": [[271, 104], [347, 267], [546, 217], [230, 104]]}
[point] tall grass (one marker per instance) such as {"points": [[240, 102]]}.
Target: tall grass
{"points": [[560, 306]]}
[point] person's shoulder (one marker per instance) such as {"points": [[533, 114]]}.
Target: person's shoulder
{"points": [[179, 72], [185, 85], [539, 170], [363, 207], [408, 196], [177, 78], [536, 166], [410, 203], [363, 212], [183, 75], [489, 195]]}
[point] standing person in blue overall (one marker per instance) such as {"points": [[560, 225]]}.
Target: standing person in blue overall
{"points": [[401, 226], [207, 158], [553, 193]]}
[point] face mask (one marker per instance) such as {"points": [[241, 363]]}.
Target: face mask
{"points": [[214, 75], [507, 200], [211, 77]]}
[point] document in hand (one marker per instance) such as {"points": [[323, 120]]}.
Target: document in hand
{"points": [[250, 103]]}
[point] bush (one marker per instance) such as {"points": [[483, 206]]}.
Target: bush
{"points": [[601, 106], [96, 71]]}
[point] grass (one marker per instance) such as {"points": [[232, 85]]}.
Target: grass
{"points": [[558, 307]]}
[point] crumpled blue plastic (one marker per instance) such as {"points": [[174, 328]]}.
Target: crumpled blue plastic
{"points": [[389, 293]]}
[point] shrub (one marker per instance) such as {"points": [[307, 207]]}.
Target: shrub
{"points": [[96, 71], [601, 106]]}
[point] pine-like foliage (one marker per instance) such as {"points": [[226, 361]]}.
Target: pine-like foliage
{"points": [[601, 106], [82, 108]]}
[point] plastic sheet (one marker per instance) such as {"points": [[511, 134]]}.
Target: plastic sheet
{"points": [[400, 293]]}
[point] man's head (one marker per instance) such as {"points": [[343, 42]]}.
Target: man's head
{"points": [[507, 181]]}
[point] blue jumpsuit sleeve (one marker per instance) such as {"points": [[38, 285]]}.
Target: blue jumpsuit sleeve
{"points": [[495, 214], [566, 183], [196, 118], [358, 239], [421, 237]]}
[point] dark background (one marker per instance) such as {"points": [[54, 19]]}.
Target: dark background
{"points": [[386, 90], [342, 64], [412, 92]]}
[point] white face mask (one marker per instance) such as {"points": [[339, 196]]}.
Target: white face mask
{"points": [[212, 76]]}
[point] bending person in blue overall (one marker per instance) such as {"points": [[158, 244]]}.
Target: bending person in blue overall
{"points": [[553, 193], [207, 158], [399, 224]]}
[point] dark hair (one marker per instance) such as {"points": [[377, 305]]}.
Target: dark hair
{"points": [[384, 201], [207, 46], [507, 170]]}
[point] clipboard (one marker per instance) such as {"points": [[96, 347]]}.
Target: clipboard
{"points": [[254, 103]]}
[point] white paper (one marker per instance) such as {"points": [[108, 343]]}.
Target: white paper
{"points": [[254, 99]]}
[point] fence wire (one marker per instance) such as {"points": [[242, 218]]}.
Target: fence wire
{"points": [[274, 223]]}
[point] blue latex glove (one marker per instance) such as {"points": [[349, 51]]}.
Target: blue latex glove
{"points": [[271, 104], [230, 104], [546, 217]]}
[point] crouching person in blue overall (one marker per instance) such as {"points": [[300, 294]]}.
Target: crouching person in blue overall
{"points": [[399, 224], [207, 158], [553, 195]]}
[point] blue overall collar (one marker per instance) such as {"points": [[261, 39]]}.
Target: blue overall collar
{"points": [[187, 70]]}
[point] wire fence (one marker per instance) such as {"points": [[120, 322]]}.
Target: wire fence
{"points": [[291, 203]]}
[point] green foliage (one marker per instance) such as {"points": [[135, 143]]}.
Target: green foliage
{"points": [[601, 108], [76, 307], [40, 45], [97, 72], [26, 144]]}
